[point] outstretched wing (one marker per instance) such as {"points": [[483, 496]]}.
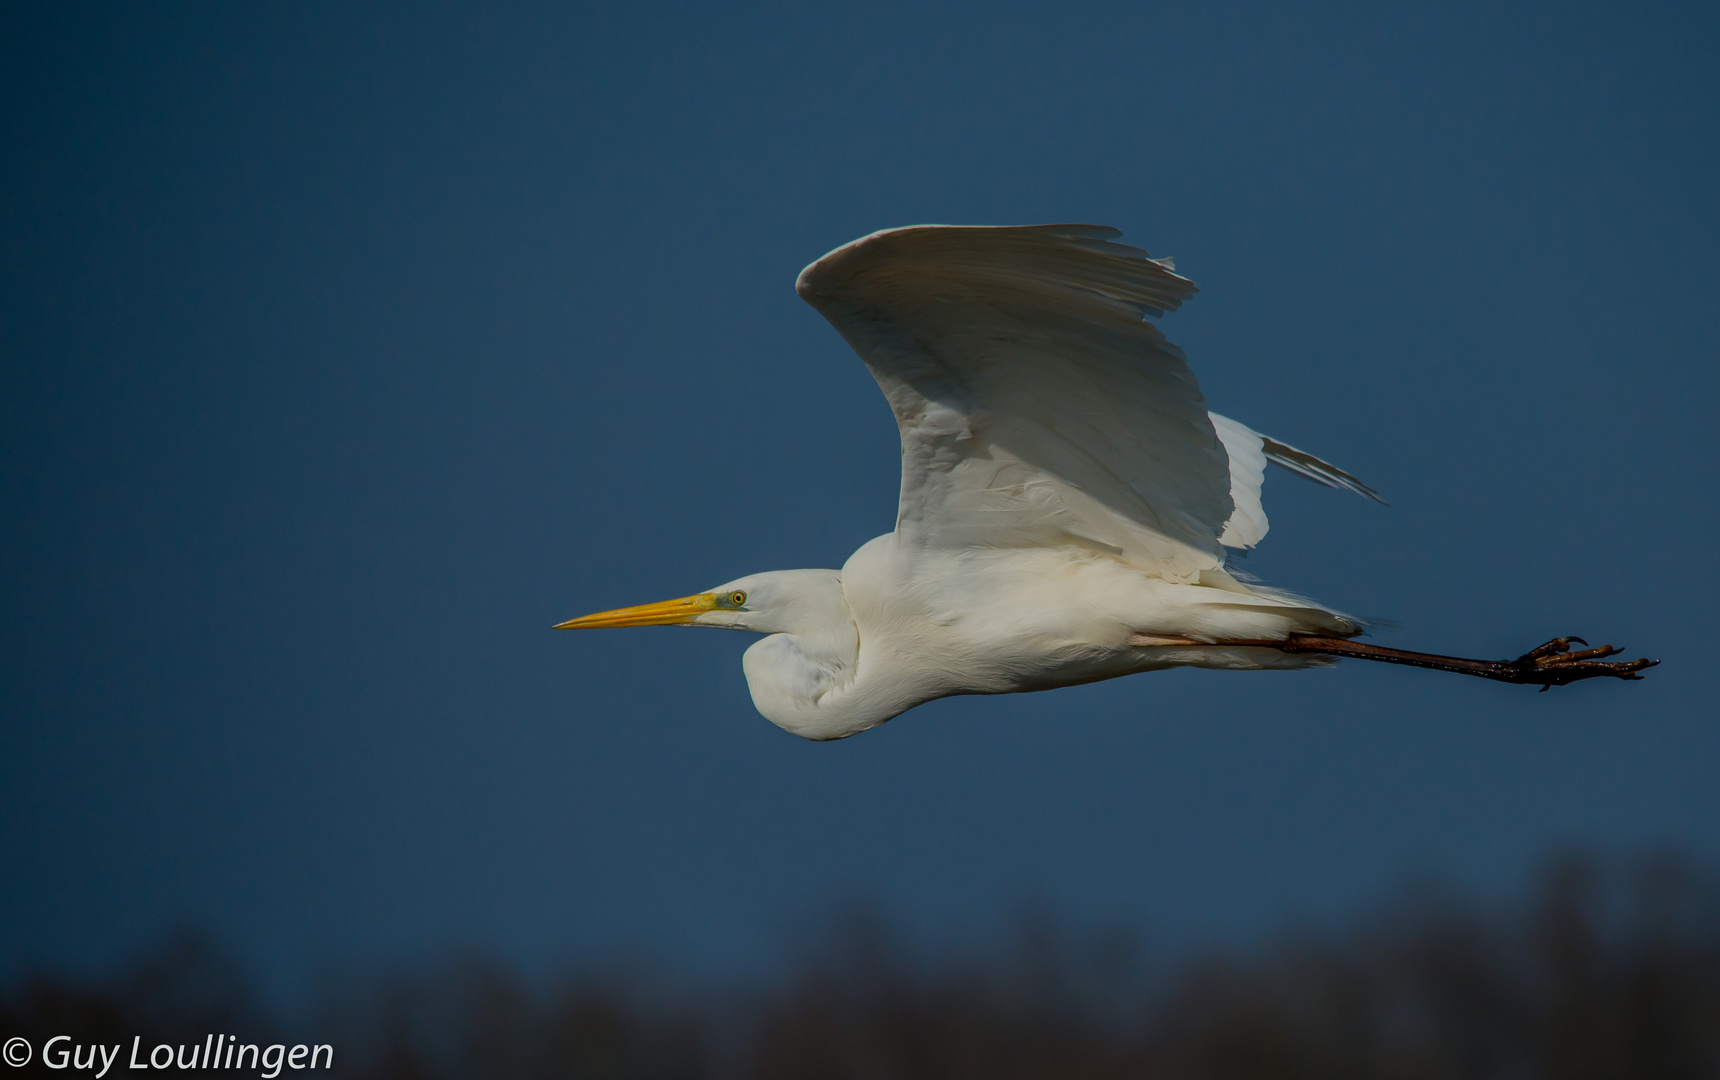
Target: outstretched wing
{"points": [[1037, 405]]}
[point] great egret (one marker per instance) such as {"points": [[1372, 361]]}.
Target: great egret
{"points": [[1066, 497]]}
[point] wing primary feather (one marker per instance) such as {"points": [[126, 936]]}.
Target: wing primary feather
{"points": [[1309, 467], [1085, 232]]}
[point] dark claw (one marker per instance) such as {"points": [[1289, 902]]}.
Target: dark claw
{"points": [[1552, 665]]}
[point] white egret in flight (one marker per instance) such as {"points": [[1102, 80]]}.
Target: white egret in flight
{"points": [[1066, 500]]}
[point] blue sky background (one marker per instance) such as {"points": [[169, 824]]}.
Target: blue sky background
{"points": [[344, 351]]}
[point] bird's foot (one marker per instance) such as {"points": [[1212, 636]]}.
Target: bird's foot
{"points": [[1556, 663]]}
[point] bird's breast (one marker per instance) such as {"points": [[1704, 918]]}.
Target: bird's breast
{"points": [[971, 621]]}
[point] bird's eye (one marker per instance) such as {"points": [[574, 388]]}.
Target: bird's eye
{"points": [[737, 599]]}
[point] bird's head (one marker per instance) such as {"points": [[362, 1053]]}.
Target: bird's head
{"points": [[813, 643], [777, 602]]}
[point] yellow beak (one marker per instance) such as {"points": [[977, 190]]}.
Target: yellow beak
{"points": [[663, 613]]}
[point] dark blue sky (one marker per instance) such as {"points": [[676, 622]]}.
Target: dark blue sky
{"points": [[345, 351]]}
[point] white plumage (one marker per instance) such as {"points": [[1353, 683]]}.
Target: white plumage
{"points": [[1066, 496]]}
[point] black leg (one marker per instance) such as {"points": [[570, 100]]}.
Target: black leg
{"points": [[1552, 664]]}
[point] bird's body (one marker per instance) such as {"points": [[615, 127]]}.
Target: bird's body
{"points": [[896, 627], [1067, 498]]}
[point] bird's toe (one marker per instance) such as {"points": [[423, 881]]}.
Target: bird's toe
{"points": [[1555, 647]]}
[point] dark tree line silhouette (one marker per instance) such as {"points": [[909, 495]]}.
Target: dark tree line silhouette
{"points": [[1608, 970]]}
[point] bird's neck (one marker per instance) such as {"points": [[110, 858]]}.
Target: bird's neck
{"points": [[819, 675], [795, 677]]}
